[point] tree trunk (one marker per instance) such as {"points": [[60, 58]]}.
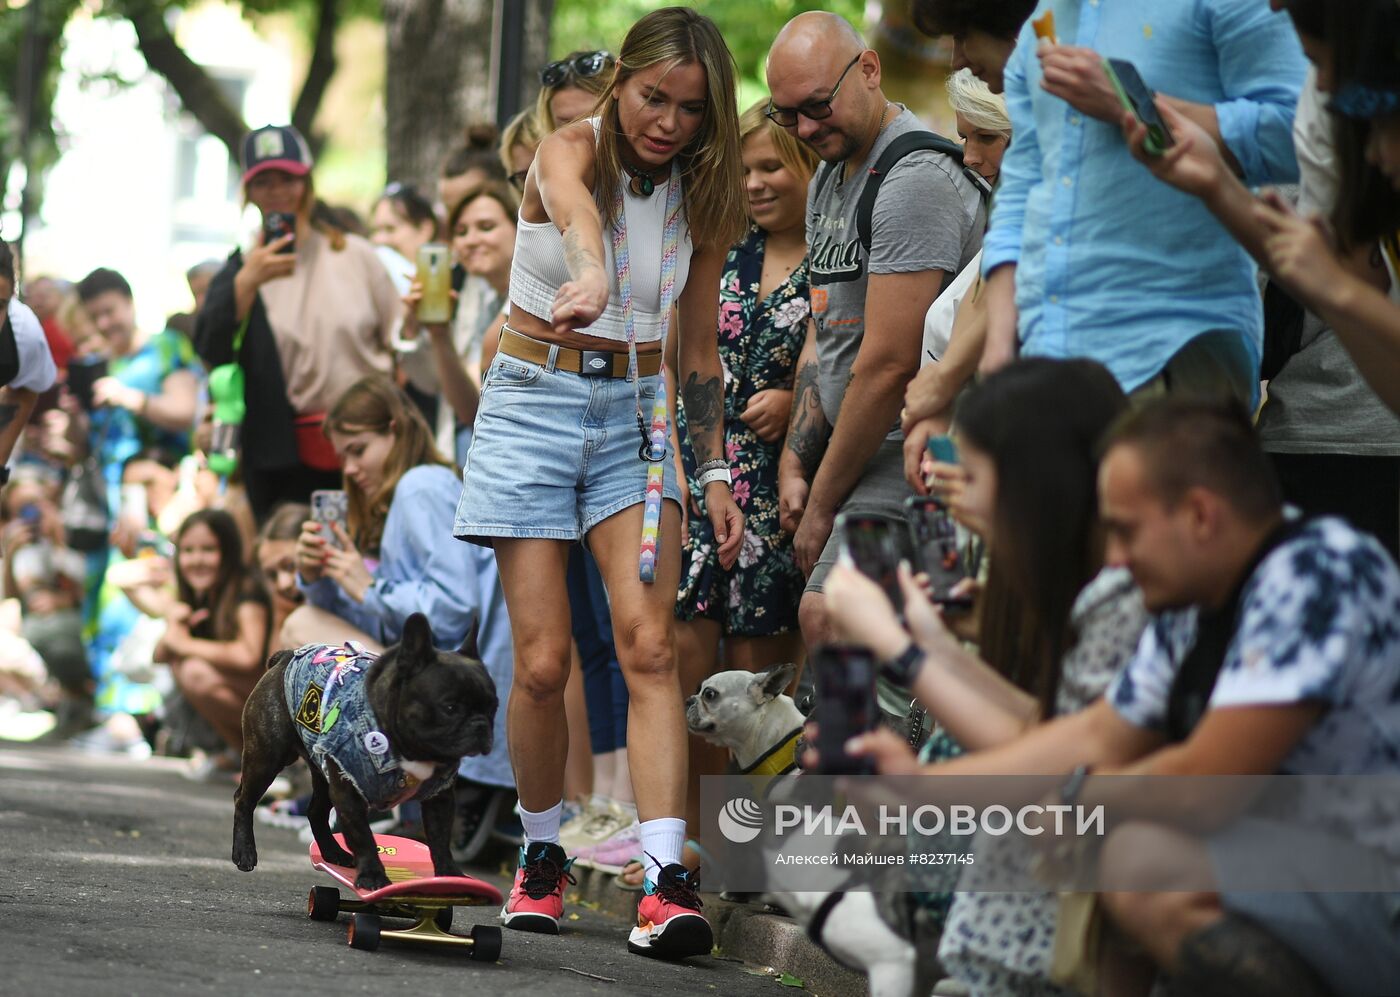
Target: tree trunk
{"points": [[198, 92], [318, 74], [438, 77]]}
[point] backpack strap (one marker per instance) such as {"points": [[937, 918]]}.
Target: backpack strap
{"points": [[902, 146], [1194, 682]]}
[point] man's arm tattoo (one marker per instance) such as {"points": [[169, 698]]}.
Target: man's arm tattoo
{"points": [[809, 432], [704, 416]]}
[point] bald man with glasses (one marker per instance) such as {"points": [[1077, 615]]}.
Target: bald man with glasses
{"points": [[843, 452]]}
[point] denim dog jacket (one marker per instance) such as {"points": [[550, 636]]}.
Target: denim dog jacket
{"points": [[325, 691]]}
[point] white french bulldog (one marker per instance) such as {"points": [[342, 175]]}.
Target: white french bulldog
{"points": [[748, 713]]}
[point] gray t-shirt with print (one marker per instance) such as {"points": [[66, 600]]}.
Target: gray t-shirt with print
{"points": [[928, 216]]}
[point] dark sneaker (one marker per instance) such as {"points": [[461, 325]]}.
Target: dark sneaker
{"points": [[669, 922], [536, 901], [477, 809]]}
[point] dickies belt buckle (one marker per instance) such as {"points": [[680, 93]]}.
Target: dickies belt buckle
{"points": [[595, 363]]}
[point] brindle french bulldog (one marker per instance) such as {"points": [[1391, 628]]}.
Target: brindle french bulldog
{"points": [[394, 727]]}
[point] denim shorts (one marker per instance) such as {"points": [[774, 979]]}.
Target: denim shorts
{"points": [[553, 454]]}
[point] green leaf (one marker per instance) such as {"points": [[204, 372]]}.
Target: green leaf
{"points": [[788, 980]]}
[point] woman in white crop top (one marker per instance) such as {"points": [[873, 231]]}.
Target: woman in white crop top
{"points": [[556, 449]]}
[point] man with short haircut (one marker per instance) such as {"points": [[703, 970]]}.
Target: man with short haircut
{"points": [[1273, 649], [844, 451], [1085, 257], [984, 33]]}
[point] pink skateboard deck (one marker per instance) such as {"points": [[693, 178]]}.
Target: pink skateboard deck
{"points": [[409, 867], [413, 892]]}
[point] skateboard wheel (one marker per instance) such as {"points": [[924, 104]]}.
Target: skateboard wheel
{"points": [[363, 932], [486, 943], [323, 903], [443, 919]]}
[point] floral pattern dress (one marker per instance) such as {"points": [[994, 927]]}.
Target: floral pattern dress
{"points": [[759, 343]]}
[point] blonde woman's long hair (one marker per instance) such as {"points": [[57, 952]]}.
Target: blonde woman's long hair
{"points": [[374, 404], [796, 155], [523, 130], [710, 170]]}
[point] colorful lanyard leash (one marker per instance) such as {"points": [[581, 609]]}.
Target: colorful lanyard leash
{"points": [[653, 449]]}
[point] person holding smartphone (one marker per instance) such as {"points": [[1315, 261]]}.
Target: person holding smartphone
{"points": [[1056, 624], [313, 309], [390, 559]]}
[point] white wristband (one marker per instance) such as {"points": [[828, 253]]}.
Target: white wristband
{"points": [[716, 474]]}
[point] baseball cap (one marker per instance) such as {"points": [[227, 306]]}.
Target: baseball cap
{"points": [[275, 147]]}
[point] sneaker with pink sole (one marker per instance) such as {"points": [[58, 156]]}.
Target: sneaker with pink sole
{"points": [[536, 901]]}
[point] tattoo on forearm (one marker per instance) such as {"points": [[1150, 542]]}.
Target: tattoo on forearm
{"points": [[7, 414], [809, 431], [578, 257], [704, 416]]}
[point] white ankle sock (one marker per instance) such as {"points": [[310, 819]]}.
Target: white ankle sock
{"points": [[543, 826], [662, 839]]}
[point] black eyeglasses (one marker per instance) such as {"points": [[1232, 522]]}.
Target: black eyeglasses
{"points": [[556, 74], [812, 110], [517, 179]]}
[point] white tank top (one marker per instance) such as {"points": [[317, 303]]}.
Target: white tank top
{"points": [[538, 269]]}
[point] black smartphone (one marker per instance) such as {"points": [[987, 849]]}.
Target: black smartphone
{"points": [[83, 373], [1135, 96], [937, 554], [277, 224], [846, 706], [875, 546]]}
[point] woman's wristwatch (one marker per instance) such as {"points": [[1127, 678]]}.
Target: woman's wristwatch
{"points": [[903, 669], [713, 470]]}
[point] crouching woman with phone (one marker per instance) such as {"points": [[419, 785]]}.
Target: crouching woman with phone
{"points": [[363, 576], [388, 559]]}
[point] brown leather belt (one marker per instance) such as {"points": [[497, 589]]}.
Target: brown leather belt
{"points": [[586, 363]]}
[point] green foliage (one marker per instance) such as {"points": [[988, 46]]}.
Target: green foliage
{"points": [[43, 150], [749, 27]]}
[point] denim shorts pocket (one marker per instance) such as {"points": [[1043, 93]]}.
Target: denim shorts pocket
{"points": [[513, 372]]}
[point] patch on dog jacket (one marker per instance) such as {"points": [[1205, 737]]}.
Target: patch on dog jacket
{"points": [[325, 691]]}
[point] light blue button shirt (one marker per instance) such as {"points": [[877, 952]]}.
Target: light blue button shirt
{"points": [[422, 569], [1111, 263]]}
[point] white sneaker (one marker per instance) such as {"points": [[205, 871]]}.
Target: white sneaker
{"points": [[601, 818]]}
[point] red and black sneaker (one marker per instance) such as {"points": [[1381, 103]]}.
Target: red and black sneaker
{"points": [[669, 922], [536, 901]]}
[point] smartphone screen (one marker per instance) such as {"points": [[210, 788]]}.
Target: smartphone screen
{"points": [[331, 506], [1136, 97], [846, 706], [943, 449], [875, 546], [936, 551], [83, 373], [277, 224]]}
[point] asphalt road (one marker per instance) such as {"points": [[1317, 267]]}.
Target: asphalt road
{"points": [[117, 880]]}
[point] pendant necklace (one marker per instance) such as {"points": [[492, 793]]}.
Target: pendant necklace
{"points": [[640, 183]]}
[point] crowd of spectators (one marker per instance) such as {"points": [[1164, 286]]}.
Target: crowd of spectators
{"points": [[1172, 378]]}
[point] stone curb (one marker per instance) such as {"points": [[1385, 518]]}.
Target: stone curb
{"points": [[742, 931]]}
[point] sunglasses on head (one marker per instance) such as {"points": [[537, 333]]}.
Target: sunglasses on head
{"points": [[556, 74]]}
